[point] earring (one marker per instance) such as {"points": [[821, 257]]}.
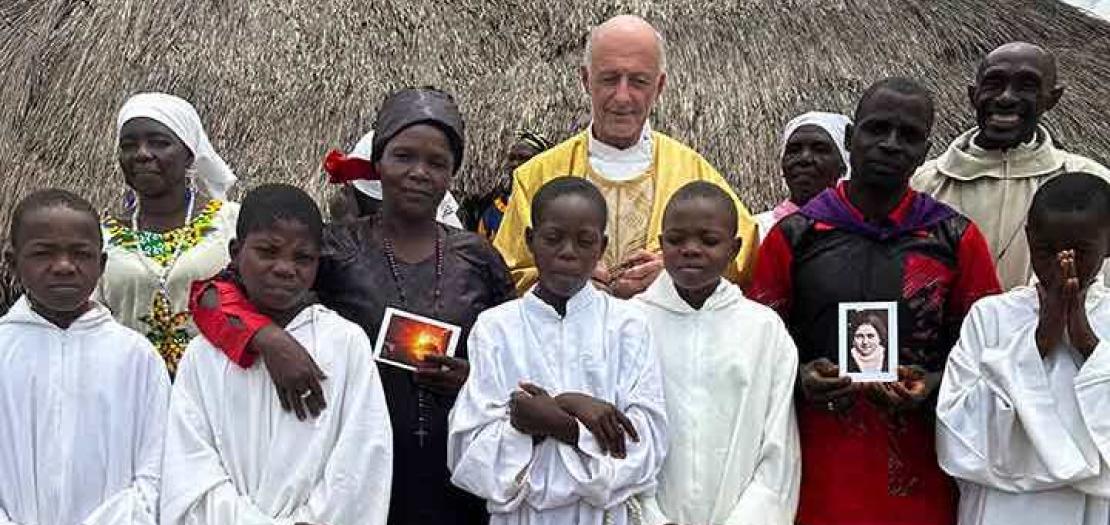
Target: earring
{"points": [[130, 200], [191, 177]]}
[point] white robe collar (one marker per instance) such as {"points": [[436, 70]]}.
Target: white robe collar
{"points": [[580, 301], [21, 313], [662, 293], [618, 165]]}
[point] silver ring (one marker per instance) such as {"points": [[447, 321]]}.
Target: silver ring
{"points": [[831, 406], [306, 394]]}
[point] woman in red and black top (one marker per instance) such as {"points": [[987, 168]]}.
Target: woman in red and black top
{"points": [[398, 257], [868, 450]]}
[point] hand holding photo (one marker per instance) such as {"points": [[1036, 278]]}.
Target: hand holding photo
{"points": [[869, 341], [406, 339]]}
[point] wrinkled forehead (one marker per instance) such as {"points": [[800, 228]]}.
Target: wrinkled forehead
{"points": [[626, 51], [809, 134], [140, 127], [1019, 59], [889, 106]]}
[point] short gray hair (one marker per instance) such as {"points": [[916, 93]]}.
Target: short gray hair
{"points": [[658, 38]]}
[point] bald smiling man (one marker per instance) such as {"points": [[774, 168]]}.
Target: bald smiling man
{"points": [[636, 169], [991, 172]]}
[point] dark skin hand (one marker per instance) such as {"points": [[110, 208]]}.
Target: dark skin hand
{"points": [[1063, 309], [442, 374], [290, 366], [821, 384], [635, 274], [292, 370], [608, 425], [908, 393], [534, 412]]}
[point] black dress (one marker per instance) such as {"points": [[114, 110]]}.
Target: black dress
{"points": [[355, 280]]}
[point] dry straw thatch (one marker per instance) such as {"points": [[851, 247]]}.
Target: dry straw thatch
{"points": [[278, 82]]}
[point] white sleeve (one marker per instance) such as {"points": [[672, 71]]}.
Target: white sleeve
{"points": [[196, 489], [138, 503], [5, 519], [486, 455], [771, 498], [584, 473], [997, 421], [1092, 388], [358, 476]]}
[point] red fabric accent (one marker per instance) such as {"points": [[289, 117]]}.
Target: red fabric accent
{"points": [[897, 215], [215, 323], [773, 278], [342, 169], [890, 459], [977, 276]]}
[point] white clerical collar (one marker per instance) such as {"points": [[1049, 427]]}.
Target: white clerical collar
{"points": [[619, 165]]}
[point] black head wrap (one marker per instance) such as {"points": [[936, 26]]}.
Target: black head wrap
{"points": [[412, 106]]}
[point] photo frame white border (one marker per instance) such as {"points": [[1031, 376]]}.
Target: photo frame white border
{"points": [[891, 308], [390, 313]]}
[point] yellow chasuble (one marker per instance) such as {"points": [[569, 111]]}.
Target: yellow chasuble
{"points": [[635, 206]]}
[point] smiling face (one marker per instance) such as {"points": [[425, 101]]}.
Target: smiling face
{"points": [[277, 265], [624, 77], [866, 340], [567, 243], [1016, 84], [415, 168], [698, 241], [154, 161], [811, 163], [890, 139], [58, 259]]}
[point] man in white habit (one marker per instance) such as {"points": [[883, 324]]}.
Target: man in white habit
{"points": [[991, 172], [1023, 418]]}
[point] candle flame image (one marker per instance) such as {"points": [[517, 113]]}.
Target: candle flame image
{"points": [[411, 341]]}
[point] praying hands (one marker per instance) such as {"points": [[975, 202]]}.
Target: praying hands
{"points": [[1062, 310]]}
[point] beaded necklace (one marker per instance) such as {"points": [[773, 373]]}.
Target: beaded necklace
{"points": [[423, 404]]}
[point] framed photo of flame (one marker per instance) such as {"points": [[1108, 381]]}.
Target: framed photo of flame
{"points": [[405, 339]]}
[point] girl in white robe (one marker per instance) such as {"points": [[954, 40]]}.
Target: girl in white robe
{"points": [[565, 337], [233, 455], [1023, 419]]}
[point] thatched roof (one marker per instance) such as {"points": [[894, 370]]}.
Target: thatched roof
{"points": [[278, 82]]}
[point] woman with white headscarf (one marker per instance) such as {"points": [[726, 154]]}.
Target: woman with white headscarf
{"points": [[175, 226], [814, 157]]}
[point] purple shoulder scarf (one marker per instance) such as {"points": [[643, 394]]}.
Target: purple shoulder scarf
{"points": [[829, 208]]}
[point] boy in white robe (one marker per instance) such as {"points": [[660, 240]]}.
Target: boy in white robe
{"points": [[728, 373], [562, 420], [233, 456], [1023, 417], [82, 398]]}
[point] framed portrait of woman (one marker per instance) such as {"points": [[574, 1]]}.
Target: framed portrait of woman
{"points": [[869, 341]]}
